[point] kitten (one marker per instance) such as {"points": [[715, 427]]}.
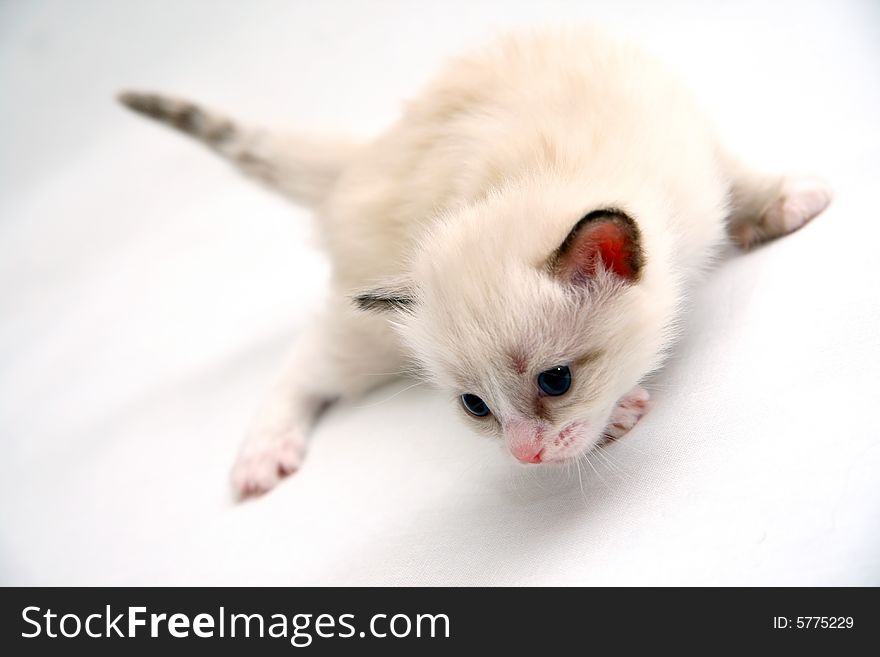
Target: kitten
{"points": [[524, 233]]}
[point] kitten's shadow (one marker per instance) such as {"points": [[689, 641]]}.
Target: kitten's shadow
{"points": [[521, 529], [497, 522]]}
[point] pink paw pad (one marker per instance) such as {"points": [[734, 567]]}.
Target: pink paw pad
{"points": [[264, 460], [801, 200], [630, 409]]}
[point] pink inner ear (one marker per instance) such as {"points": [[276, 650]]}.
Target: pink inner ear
{"points": [[601, 244]]}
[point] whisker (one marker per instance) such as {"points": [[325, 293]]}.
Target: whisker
{"points": [[581, 483], [627, 444], [614, 466], [404, 372], [387, 399], [593, 468]]}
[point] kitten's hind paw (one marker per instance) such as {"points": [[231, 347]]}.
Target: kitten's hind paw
{"points": [[799, 201]]}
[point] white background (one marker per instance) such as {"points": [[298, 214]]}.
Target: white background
{"points": [[147, 295]]}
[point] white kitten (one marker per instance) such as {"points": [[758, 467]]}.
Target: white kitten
{"points": [[524, 233]]}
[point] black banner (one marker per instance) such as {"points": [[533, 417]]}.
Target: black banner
{"points": [[432, 621]]}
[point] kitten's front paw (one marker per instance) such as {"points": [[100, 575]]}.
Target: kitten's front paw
{"points": [[266, 457], [628, 412]]}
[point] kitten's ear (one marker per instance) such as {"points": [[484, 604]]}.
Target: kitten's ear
{"points": [[604, 239], [394, 297]]}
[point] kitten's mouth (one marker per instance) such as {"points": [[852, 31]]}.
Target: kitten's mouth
{"points": [[569, 443], [537, 458]]}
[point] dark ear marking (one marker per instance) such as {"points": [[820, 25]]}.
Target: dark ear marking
{"points": [[384, 301], [607, 239]]}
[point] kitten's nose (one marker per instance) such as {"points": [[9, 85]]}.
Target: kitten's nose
{"points": [[528, 453], [523, 439]]}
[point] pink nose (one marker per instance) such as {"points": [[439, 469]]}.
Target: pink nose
{"points": [[527, 452], [523, 438]]}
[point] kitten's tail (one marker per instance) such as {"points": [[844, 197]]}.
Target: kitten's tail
{"points": [[302, 169]]}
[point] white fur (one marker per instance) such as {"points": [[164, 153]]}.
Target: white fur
{"points": [[459, 205]]}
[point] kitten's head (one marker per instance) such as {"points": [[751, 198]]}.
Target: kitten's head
{"points": [[535, 314]]}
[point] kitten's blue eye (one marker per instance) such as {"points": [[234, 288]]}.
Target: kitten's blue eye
{"points": [[474, 405], [555, 381]]}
